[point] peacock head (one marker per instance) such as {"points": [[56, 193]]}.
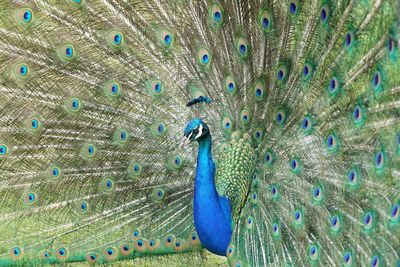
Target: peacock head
{"points": [[195, 130]]}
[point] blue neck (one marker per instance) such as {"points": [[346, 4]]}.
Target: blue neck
{"points": [[212, 214]]}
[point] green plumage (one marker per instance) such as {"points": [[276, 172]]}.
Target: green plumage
{"points": [[232, 179], [305, 118]]}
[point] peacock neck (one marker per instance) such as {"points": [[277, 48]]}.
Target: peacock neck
{"points": [[211, 212], [205, 184], [204, 158]]}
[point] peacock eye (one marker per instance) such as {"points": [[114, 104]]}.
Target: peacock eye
{"points": [[195, 131]]}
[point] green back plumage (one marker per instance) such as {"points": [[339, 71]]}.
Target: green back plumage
{"points": [[92, 100], [232, 179]]}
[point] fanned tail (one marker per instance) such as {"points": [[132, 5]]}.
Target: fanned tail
{"points": [[326, 190], [93, 104], [90, 118]]}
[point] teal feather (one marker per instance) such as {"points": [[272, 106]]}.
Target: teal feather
{"points": [[301, 98]]}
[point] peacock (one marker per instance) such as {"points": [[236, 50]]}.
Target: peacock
{"points": [[263, 131]]}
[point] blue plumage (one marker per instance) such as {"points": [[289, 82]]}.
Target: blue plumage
{"points": [[212, 213]]}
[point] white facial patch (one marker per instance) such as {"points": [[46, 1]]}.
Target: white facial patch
{"points": [[200, 132], [189, 135]]}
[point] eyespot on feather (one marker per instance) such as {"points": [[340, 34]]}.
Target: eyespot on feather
{"points": [[113, 89], [204, 57]]}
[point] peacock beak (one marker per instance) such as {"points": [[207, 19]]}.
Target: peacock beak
{"points": [[184, 142]]}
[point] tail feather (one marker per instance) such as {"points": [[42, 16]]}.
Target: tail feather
{"points": [[81, 180]]}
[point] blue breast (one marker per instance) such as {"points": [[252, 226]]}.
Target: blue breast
{"points": [[212, 213]]}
